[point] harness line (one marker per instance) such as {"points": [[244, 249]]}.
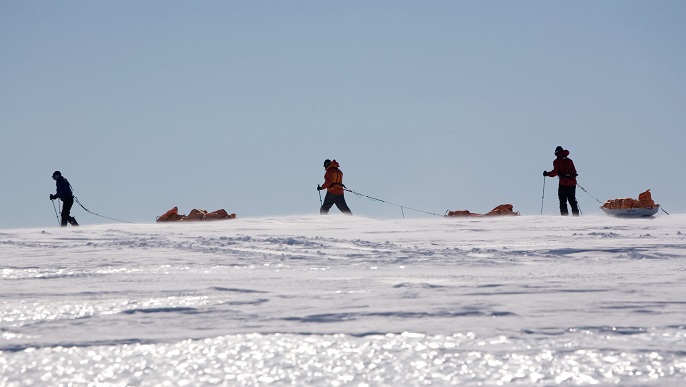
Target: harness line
{"points": [[402, 208], [583, 189], [96, 214]]}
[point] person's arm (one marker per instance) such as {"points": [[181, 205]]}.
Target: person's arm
{"points": [[553, 173], [327, 180]]}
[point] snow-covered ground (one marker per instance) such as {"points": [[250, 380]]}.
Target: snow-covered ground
{"points": [[339, 300]]}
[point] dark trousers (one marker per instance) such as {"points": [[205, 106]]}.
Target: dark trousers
{"points": [[66, 208], [567, 194], [331, 199]]}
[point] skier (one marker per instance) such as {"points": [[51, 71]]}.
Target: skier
{"points": [[563, 167], [65, 194], [333, 183]]}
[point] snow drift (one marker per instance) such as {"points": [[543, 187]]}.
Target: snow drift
{"points": [[336, 300]]}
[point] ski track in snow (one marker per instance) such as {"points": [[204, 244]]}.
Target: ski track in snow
{"points": [[347, 301]]}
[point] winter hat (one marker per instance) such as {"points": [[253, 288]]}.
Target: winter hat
{"points": [[56, 174], [558, 150], [326, 163]]}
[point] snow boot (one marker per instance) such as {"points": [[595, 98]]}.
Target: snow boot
{"points": [[72, 221]]}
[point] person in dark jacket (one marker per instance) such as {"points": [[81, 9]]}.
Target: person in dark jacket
{"points": [[65, 194], [333, 184], [563, 167]]}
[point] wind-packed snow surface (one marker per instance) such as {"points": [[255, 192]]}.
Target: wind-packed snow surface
{"points": [[336, 300]]}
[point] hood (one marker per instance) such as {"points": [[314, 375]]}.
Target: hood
{"points": [[563, 154], [334, 164]]}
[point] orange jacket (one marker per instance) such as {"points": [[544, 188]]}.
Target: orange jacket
{"points": [[333, 179], [564, 167]]}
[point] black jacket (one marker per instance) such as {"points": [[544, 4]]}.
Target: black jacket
{"points": [[63, 188]]}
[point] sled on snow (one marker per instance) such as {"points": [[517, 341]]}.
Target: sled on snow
{"points": [[629, 207], [632, 212], [501, 210], [195, 215]]}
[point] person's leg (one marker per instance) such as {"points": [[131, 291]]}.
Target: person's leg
{"points": [[66, 208], [571, 196], [562, 196], [342, 205], [329, 200]]}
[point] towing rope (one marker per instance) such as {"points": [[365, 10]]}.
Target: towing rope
{"points": [[583, 189], [96, 214], [402, 208]]}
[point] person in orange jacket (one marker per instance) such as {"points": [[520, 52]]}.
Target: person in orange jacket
{"points": [[333, 184], [563, 167]]}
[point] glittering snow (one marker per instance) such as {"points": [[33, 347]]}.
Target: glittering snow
{"points": [[339, 300]]}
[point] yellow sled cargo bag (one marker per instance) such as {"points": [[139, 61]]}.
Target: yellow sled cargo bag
{"points": [[216, 215], [645, 199], [171, 215], [196, 214]]}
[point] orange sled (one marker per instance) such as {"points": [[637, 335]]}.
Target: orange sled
{"points": [[195, 215], [644, 206], [503, 209]]}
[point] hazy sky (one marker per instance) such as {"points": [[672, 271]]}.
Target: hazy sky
{"points": [[436, 105]]}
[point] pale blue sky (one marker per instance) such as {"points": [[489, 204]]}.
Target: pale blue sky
{"points": [[437, 105]]}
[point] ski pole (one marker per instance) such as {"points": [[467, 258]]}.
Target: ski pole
{"points": [[543, 195], [320, 197], [55, 208]]}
